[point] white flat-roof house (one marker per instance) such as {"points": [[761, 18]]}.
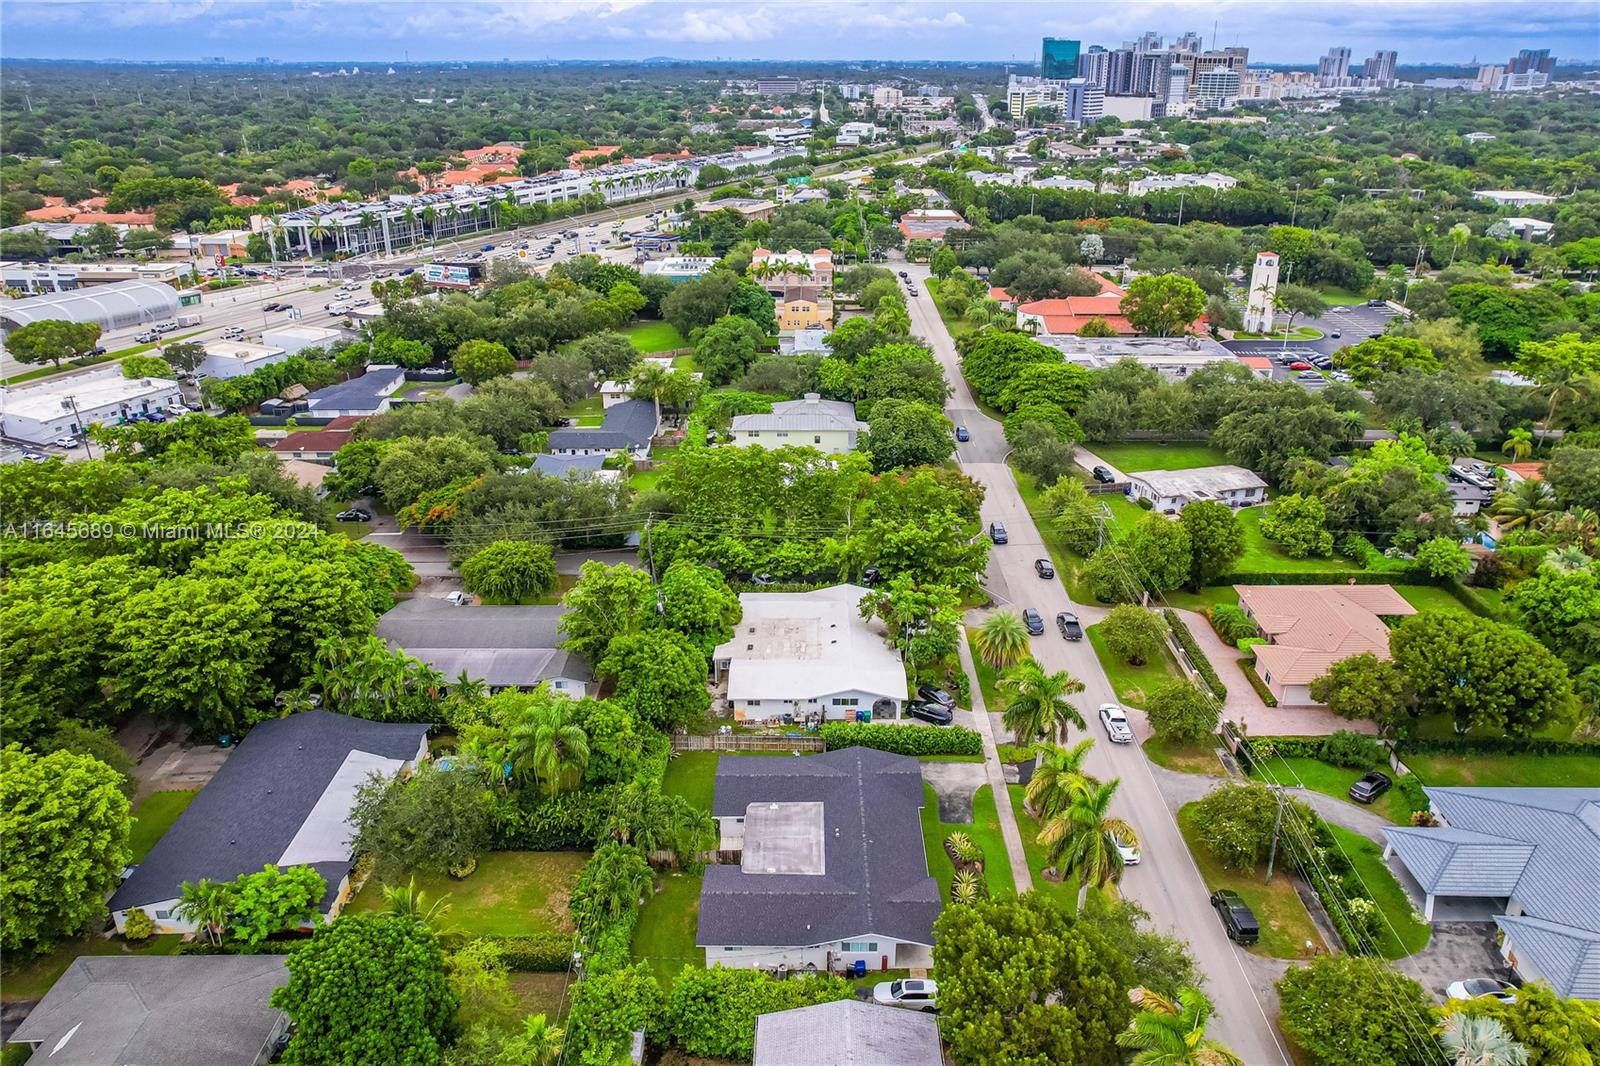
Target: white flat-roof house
{"points": [[1172, 490], [1174, 358], [829, 426], [64, 407], [232, 359], [1514, 197], [294, 339], [808, 654]]}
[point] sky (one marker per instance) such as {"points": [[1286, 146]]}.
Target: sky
{"points": [[1281, 31]]}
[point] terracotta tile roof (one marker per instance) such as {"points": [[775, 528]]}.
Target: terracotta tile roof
{"points": [[52, 213], [1526, 471], [125, 218], [1311, 627]]}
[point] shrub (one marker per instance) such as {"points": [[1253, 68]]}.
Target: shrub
{"points": [[963, 848], [139, 925], [538, 953], [1248, 665], [902, 740], [1197, 658], [525, 821], [967, 887], [1231, 623], [1235, 821], [712, 1013], [1179, 711], [1409, 786], [1133, 634], [1353, 751]]}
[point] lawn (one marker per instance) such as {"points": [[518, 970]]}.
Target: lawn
{"points": [[1299, 333], [1209, 596], [692, 775], [1527, 771], [511, 893], [1286, 927], [988, 680], [1430, 598], [1124, 514], [664, 936], [32, 979], [542, 993], [154, 816], [956, 324], [1132, 683], [1335, 781], [1333, 294], [1184, 758], [1402, 934], [984, 829], [655, 337], [1261, 554], [1133, 457], [352, 530], [1065, 893]]}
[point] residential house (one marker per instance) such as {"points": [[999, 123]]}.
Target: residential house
{"points": [[615, 392], [804, 342], [753, 210], [316, 445], [283, 798], [626, 429], [504, 647], [177, 1010], [581, 467], [679, 268], [1530, 229], [1529, 858], [232, 359], [1169, 491], [228, 244], [930, 224], [804, 307], [1471, 485], [367, 395], [799, 655], [779, 272], [829, 426], [831, 867], [1311, 627], [1514, 197], [847, 1032], [1173, 182]]}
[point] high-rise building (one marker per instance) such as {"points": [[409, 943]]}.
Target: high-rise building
{"points": [[1058, 59], [1149, 41], [1234, 59], [1177, 87], [778, 85], [886, 96], [1189, 42], [1095, 65], [1119, 72], [1076, 100], [1532, 61], [1334, 68], [1216, 89], [1263, 289], [1380, 68], [1150, 72]]}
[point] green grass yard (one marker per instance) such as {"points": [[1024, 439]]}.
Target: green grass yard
{"points": [[1286, 926], [692, 775], [1402, 933], [154, 816], [511, 893], [1261, 554], [988, 679], [1527, 771], [1333, 294], [984, 830], [1184, 758], [548, 994], [1335, 781], [33, 978], [651, 337], [1431, 598], [664, 936], [1063, 892], [1134, 457], [1132, 683]]}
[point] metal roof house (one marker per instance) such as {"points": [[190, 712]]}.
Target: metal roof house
{"points": [[281, 799], [832, 869], [829, 426], [115, 306], [1533, 851], [188, 1010], [847, 1032], [504, 647]]}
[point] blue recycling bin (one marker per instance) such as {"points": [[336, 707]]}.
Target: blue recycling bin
{"points": [[860, 968]]}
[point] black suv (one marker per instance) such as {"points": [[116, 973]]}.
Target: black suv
{"points": [[934, 713], [1043, 568], [1237, 919], [1031, 619], [1104, 475], [1370, 786]]}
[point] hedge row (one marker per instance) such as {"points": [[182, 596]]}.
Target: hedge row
{"points": [[902, 739], [527, 822], [1202, 665], [540, 953], [1328, 577], [1495, 746], [1248, 665]]}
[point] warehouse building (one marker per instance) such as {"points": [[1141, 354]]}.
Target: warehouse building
{"points": [[64, 407], [119, 305]]}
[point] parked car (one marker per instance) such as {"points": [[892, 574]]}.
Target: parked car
{"points": [[870, 575], [1370, 786], [233, 333], [932, 694], [1104, 475], [1129, 850], [997, 533], [66, 442], [1376, 303], [902, 273], [1299, 364], [98, 349], [932, 713], [918, 994], [962, 435], [1115, 721], [354, 514], [1067, 622], [149, 336], [460, 599], [155, 416], [1031, 619], [1237, 919], [1482, 988], [1309, 375], [34, 457], [913, 293], [1044, 568], [1335, 334]]}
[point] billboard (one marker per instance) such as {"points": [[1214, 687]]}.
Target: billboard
{"points": [[447, 275]]}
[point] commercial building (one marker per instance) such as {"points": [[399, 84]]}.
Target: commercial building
{"points": [[1527, 858], [852, 133], [1311, 627], [44, 411], [1170, 491], [753, 210], [1532, 61], [296, 339], [679, 268], [119, 305], [808, 655], [232, 359], [785, 136], [1076, 100], [281, 799], [930, 223], [831, 869], [1174, 358], [1263, 292], [1058, 58], [778, 85], [503, 647], [829, 426], [1216, 90]]}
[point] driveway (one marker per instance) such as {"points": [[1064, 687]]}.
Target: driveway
{"points": [[1167, 884], [955, 783]]}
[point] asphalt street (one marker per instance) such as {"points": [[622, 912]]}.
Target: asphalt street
{"points": [[1167, 883]]}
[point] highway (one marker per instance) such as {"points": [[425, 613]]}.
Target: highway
{"points": [[1166, 883]]}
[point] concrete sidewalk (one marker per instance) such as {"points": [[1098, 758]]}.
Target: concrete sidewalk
{"points": [[996, 776]]}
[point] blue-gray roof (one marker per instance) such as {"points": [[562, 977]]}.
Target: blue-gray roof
{"points": [[564, 466], [362, 393], [629, 424], [1568, 958]]}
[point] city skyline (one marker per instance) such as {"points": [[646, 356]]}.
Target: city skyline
{"points": [[624, 30]]}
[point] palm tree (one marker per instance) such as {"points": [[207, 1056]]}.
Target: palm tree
{"points": [[1058, 778], [1518, 444], [613, 883], [429, 219], [548, 744], [651, 380], [467, 691], [207, 905], [1524, 505], [1579, 527], [1083, 839], [1165, 1033], [409, 901], [1479, 1040], [1459, 236], [1002, 639], [539, 1043], [893, 318], [1038, 706], [319, 231]]}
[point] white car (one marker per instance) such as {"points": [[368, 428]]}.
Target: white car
{"points": [[1115, 720], [460, 599], [1482, 988], [233, 333], [1129, 850], [913, 993], [66, 442]]}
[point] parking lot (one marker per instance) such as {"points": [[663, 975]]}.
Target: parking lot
{"points": [[1354, 324]]}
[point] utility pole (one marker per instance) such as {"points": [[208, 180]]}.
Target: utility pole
{"points": [[1277, 822], [72, 402], [1181, 193]]}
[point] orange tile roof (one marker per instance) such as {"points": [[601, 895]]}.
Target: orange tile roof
{"points": [[124, 218], [494, 152], [592, 153], [92, 203], [51, 213], [1314, 626], [1526, 471]]}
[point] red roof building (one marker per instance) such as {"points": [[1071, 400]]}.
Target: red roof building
{"points": [[1067, 315]]}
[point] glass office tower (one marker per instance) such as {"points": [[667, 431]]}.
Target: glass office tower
{"points": [[1059, 59]]}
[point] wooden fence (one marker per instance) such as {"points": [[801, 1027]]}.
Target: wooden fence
{"points": [[745, 742]]}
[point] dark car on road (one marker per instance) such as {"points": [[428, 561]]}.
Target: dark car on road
{"points": [[1044, 568], [930, 694], [1370, 786], [1237, 919], [962, 434], [355, 514], [1067, 622], [932, 713], [997, 533], [1104, 475], [1031, 619]]}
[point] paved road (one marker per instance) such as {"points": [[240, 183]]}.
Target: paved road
{"points": [[1167, 883]]}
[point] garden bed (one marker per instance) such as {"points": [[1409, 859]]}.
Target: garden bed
{"points": [[1402, 932], [984, 831]]}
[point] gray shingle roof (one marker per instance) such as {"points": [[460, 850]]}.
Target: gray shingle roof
{"points": [[847, 1033], [253, 809], [629, 424], [876, 880], [186, 1010], [362, 393], [500, 646], [565, 465]]}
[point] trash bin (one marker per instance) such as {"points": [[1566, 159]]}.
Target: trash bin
{"points": [[860, 967]]}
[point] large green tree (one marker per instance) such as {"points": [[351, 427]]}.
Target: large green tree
{"points": [[698, 604], [1344, 1010], [272, 900], [478, 361], [1216, 540], [905, 433], [1182, 712], [661, 676], [1377, 356], [510, 571], [1298, 524], [607, 602], [1485, 675], [1163, 305], [432, 821], [52, 340], [1365, 687]]}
